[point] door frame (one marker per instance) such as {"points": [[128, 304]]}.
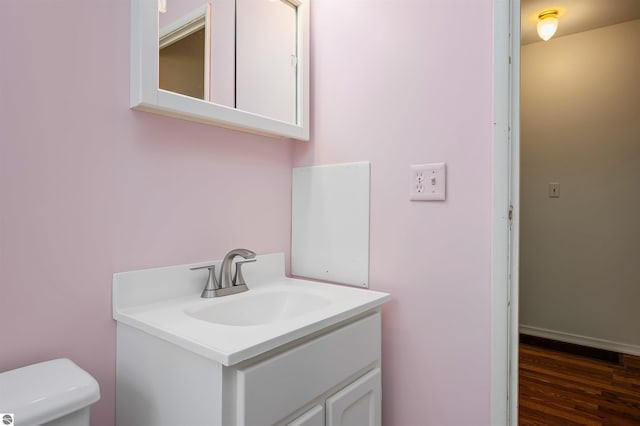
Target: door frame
{"points": [[505, 194]]}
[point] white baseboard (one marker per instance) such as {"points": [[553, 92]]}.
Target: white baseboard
{"points": [[581, 340]]}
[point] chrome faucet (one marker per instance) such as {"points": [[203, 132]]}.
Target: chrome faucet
{"points": [[227, 285]]}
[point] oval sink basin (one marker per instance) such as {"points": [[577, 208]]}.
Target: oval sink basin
{"points": [[259, 309]]}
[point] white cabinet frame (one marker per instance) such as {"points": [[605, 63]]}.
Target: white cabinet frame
{"points": [[146, 96]]}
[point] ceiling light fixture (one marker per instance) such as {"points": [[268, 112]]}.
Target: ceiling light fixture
{"points": [[547, 24]]}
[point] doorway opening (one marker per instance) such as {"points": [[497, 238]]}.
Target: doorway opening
{"points": [[577, 182]]}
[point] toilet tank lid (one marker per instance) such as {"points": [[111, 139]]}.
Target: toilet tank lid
{"points": [[42, 392]]}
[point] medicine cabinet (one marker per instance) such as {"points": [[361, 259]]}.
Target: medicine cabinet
{"points": [[241, 64]]}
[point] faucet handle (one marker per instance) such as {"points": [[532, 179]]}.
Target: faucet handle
{"points": [[238, 278], [212, 282]]}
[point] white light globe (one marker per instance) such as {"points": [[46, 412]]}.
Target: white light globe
{"points": [[547, 27]]}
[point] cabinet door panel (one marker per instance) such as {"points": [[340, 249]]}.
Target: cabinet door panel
{"points": [[313, 417], [358, 404], [271, 390]]}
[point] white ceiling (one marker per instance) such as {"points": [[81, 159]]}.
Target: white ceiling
{"points": [[575, 16]]}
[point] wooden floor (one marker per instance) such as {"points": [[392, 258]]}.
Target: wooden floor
{"points": [[561, 389]]}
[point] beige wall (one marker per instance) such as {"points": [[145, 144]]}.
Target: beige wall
{"points": [[580, 253], [181, 67], [221, 48]]}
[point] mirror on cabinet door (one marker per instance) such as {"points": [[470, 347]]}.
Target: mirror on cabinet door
{"points": [[241, 64], [184, 53]]}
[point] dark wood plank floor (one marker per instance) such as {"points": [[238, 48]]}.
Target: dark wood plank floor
{"points": [[562, 389]]}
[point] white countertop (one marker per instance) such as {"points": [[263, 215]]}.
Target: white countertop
{"points": [[155, 302]]}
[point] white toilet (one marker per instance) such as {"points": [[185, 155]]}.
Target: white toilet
{"points": [[51, 393]]}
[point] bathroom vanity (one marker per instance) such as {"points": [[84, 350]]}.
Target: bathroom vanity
{"points": [[286, 352]]}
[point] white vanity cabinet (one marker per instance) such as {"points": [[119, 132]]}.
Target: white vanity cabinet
{"points": [[286, 352], [332, 377]]}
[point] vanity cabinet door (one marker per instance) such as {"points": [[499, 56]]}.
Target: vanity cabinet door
{"points": [[313, 417], [271, 390], [359, 404]]}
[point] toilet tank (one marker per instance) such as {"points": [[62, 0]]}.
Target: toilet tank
{"points": [[47, 391]]}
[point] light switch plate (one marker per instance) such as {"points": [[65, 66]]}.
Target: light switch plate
{"points": [[554, 190], [428, 182]]}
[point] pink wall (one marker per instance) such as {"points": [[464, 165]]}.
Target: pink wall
{"points": [[405, 82], [89, 187]]}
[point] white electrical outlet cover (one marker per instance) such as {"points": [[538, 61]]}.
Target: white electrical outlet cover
{"points": [[428, 182]]}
